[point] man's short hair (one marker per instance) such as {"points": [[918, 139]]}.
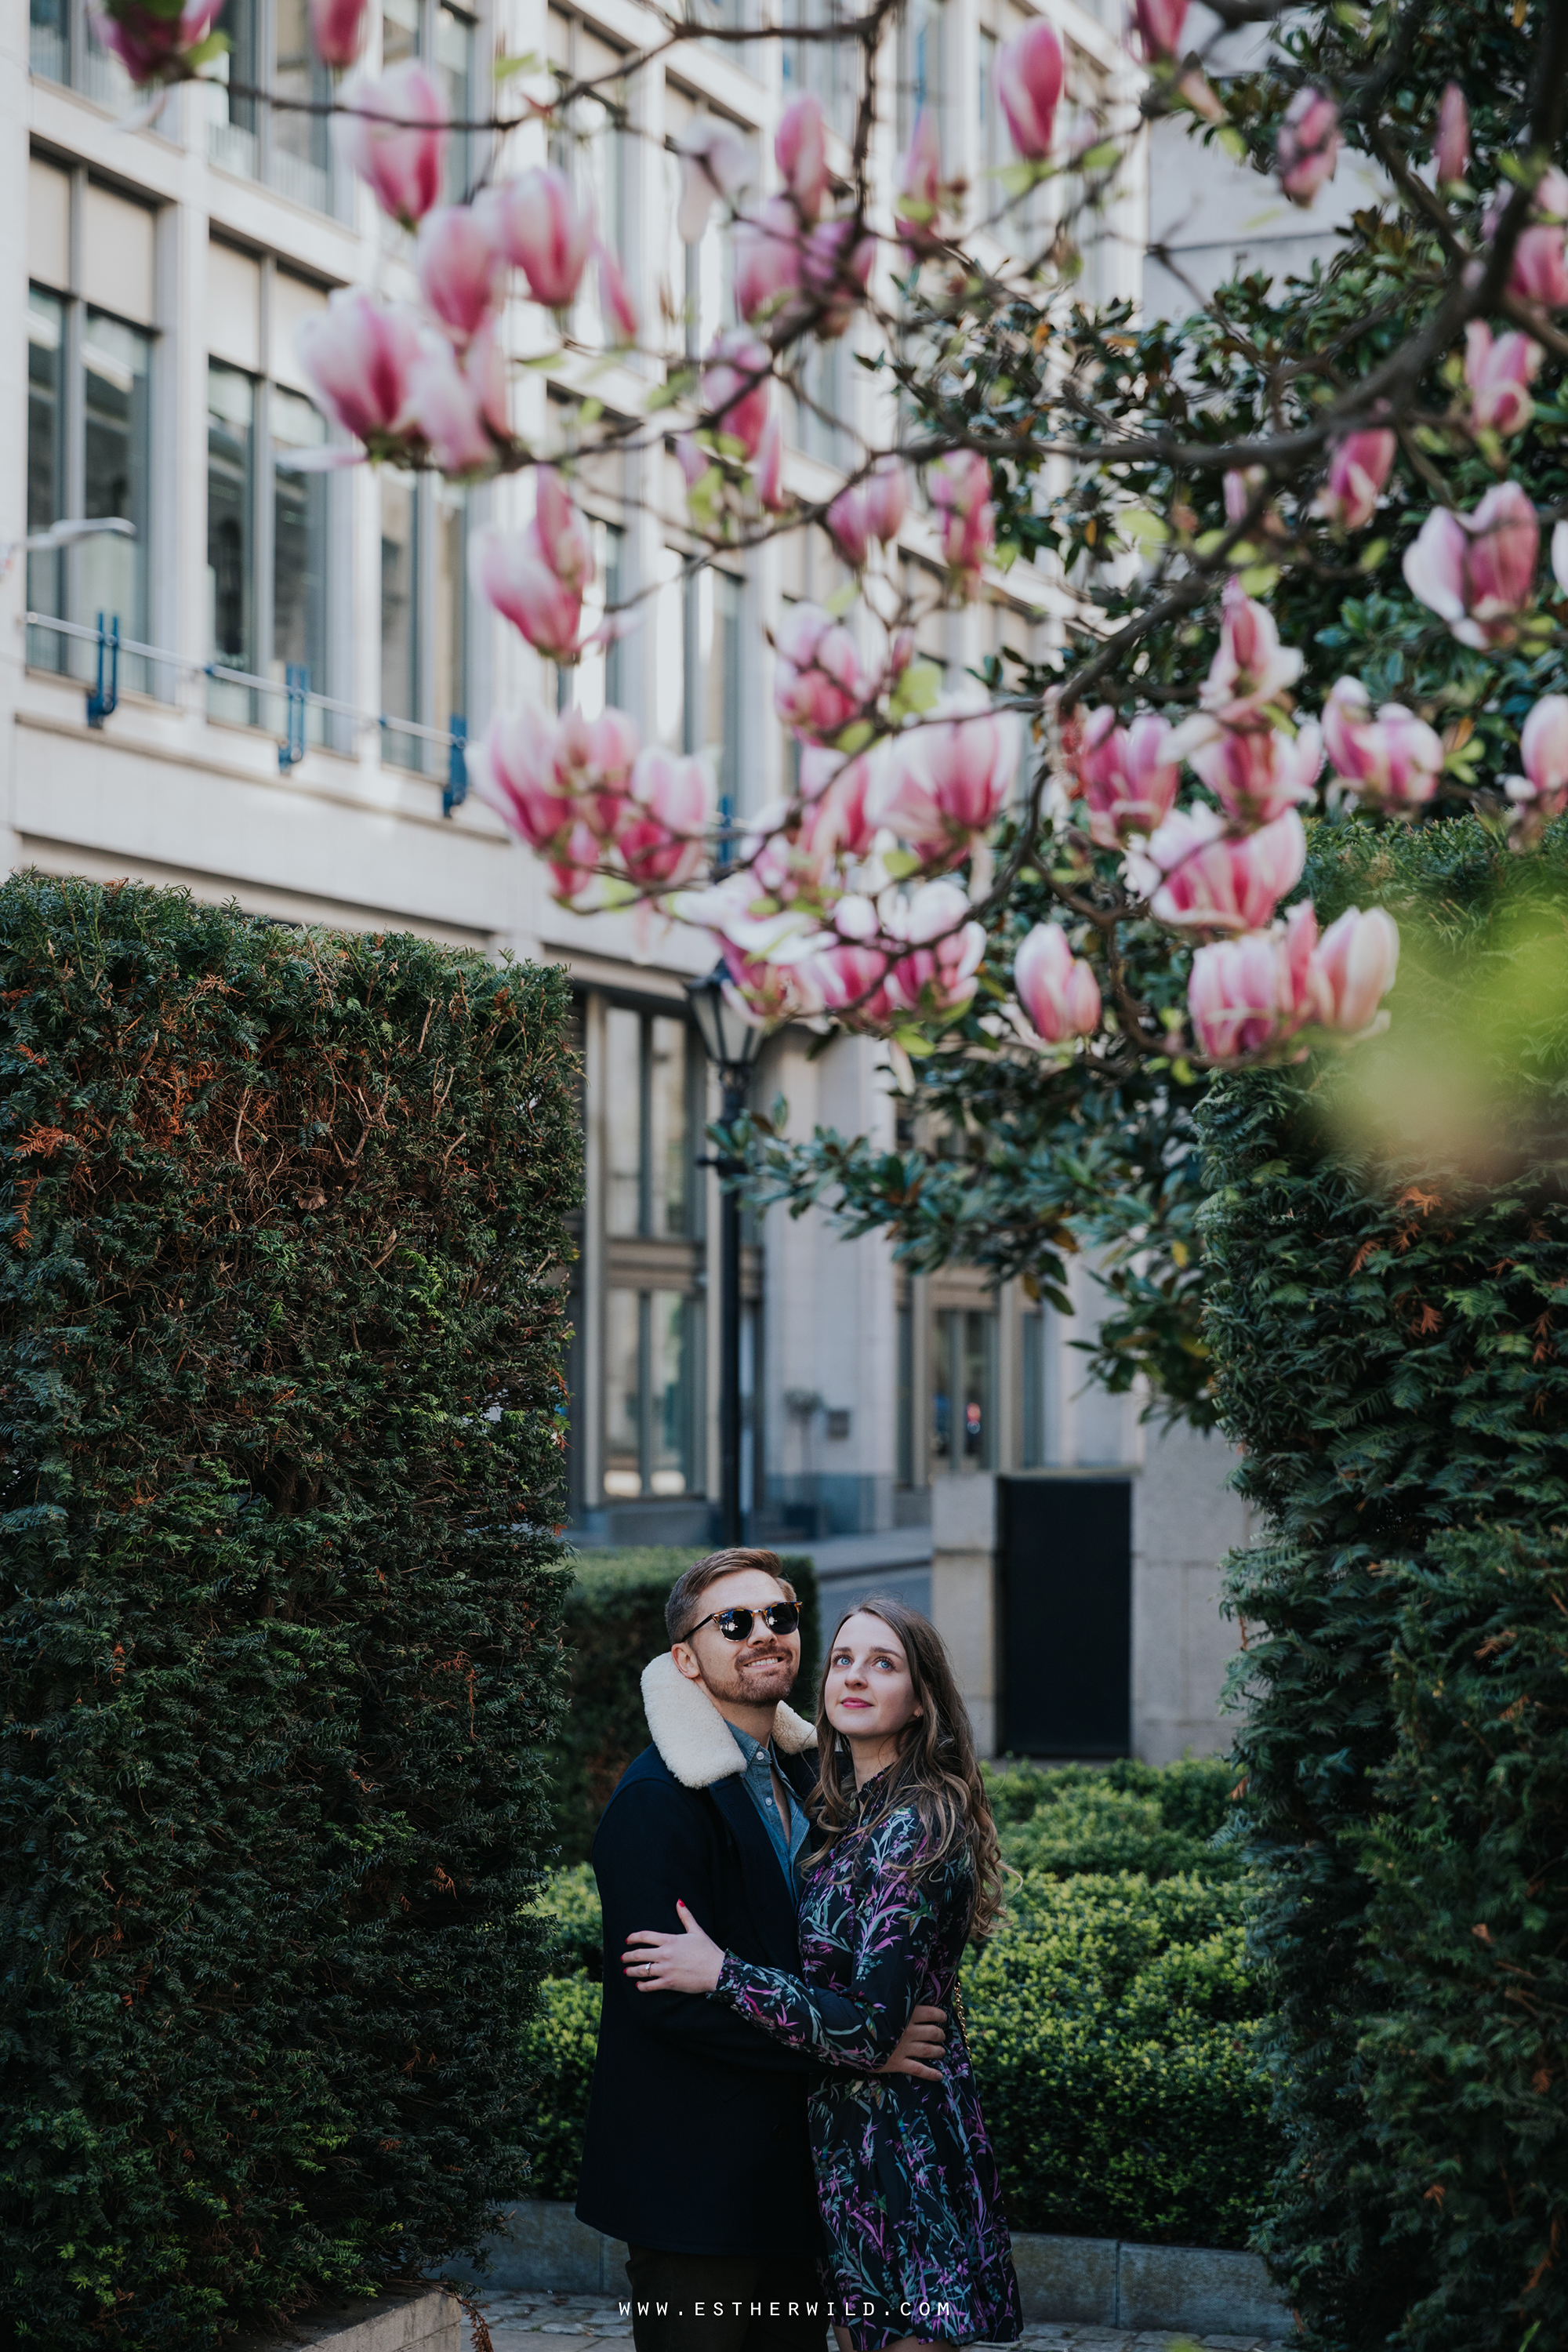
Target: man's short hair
{"points": [[680, 1611]]}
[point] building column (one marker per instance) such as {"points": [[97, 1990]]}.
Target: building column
{"points": [[963, 1592]]}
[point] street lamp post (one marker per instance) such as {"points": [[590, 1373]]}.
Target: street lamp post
{"points": [[730, 1043]]}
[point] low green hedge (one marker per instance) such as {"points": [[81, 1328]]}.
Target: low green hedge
{"points": [[1112, 2017], [614, 1625]]}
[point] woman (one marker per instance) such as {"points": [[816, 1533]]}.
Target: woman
{"points": [[906, 1870]]}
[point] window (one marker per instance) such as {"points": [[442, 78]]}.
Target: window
{"points": [[63, 47], [905, 1432], [590, 144], [963, 1387], [424, 614], [1032, 1334], [816, 413], [270, 50], [697, 682], [444, 37], [830, 69], [652, 1353], [89, 455], [268, 524], [920, 79], [987, 125], [599, 678], [650, 1116]]}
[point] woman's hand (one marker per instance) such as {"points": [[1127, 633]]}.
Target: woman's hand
{"points": [[685, 1963]]}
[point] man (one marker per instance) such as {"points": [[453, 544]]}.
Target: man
{"points": [[697, 2152]]}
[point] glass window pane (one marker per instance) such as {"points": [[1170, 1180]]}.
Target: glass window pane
{"points": [[670, 1153], [596, 679], [1033, 1332], [979, 1417], [944, 1338], [46, 467], [451, 508], [301, 158], [669, 664], [116, 363], [231, 408], [455, 71], [399, 31], [299, 550], [48, 41], [622, 1121], [231, 120], [670, 1368], [623, 1394], [906, 1403], [399, 614]]}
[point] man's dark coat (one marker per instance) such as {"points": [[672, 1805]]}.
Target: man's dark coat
{"points": [[696, 2134]]}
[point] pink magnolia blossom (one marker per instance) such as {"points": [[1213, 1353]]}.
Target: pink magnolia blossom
{"points": [[1056, 989], [1394, 758], [1128, 775], [617, 309], [150, 45], [1030, 70], [595, 758], [769, 257], [849, 979], [818, 682], [839, 818], [714, 167], [919, 197], [1560, 555], [887, 500], [736, 388], [768, 468], [944, 783], [538, 223], [692, 458], [1251, 668], [1358, 469], [849, 526], [337, 28], [1354, 968], [661, 839], [1476, 571], [357, 356], [1309, 144], [537, 577], [1242, 484], [937, 974], [1248, 995], [1451, 146], [1537, 270], [460, 267], [516, 774], [960, 491], [835, 271], [1161, 23], [800, 150], [1497, 375], [1544, 749], [1256, 774], [459, 404], [1215, 880], [393, 132], [765, 989]]}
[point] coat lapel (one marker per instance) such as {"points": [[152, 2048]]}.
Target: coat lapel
{"points": [[772, 1906]]}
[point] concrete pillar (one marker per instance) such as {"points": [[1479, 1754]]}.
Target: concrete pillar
{"points": [[1185, 1520], [963, 1592]]}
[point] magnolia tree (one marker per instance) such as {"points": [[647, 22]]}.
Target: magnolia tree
{"points": [[1299, 533]]}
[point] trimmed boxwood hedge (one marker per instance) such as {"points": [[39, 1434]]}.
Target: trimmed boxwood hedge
{"points": [[280, 1451], [614, 1624], [1112, 2016], [1389, 1322]]}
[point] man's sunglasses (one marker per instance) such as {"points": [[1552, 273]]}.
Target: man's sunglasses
{"points": [[735, 1624]]}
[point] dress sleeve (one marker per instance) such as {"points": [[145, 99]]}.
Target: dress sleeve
{"points": [[887, 1923]]}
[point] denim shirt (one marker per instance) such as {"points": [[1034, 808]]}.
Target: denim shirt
{"points": [[758, 1782]]}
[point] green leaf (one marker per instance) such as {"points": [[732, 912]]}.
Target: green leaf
{"points": [[526, 61], [842, 599]]}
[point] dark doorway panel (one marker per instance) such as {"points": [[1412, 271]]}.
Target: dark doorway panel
{"points": [[1065, 1552]]}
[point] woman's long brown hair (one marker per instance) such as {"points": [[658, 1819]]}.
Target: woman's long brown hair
{"points": [[935, 1769]]}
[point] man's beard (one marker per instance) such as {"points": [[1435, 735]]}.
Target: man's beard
{"points": [[749, 1685]]}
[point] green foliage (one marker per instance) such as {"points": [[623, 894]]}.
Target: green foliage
{"points": [[1158, 1820], [1111, 2020], [1112, 2025], [614, 1624], [1389, 1246], [280, 1453]]}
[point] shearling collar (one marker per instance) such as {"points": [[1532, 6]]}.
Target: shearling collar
{"points": [[693, 1738]]}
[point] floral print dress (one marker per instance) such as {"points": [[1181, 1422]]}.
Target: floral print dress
{"points": [[906, 2178]]}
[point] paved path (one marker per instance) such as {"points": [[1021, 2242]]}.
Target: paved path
{"points": [[518, 2320]]}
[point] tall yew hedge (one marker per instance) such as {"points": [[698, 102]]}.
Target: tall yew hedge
{"points": [[280, 1232], [1389, 1240]]}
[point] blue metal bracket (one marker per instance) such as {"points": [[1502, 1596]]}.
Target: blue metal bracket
{"points": [[104, 697], [457, 786], [291, 750]]}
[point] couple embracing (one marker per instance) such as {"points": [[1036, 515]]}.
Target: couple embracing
{"points": [[782, 2128]]}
